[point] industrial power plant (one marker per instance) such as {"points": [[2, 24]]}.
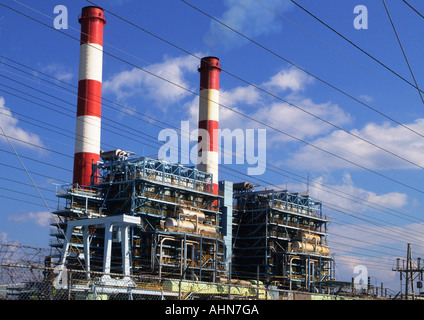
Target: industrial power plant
{"points": [[126, 216], [145, 228]]}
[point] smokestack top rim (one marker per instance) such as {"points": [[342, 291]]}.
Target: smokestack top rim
{"points": [[90, 12], [210, 57], [209, 62]]}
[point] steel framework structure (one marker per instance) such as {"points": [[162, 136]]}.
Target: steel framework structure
{"points": [[178, 231], [282, 237]]}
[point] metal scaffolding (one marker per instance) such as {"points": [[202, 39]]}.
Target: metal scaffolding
{"points": [[281, 237], [177, 227], [144, 216]]}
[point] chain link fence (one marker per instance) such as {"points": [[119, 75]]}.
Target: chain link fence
{"points": [[30, 282], [26, 274]]}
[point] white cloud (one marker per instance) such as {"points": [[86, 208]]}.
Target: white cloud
{"points": [[239, 95], [363, 200], [136, 82], [298, 123], [59, 71], [300, 118], [394, 138], [366, 98], [247, 17], [12, 129], [379, 247], [3, 237], [41, 219], [292, 79], [393, 200], [257, 105]]}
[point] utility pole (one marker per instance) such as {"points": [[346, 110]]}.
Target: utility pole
{"points": [[410, 270], [409, 274]]}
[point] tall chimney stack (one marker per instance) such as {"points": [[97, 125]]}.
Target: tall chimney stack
{"points": [[209, 118], [88, 127]]}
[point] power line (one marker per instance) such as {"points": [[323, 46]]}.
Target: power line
{"points": [[233, 110], [24, 167], [403, 51], [357, 216], [300, 68], [150, 118], [364, 249], [416, 11], [346, 198], [367, 231], [366, 242], [38, 161], [63, 113], [355, 45], [27, 194], [268, 93], [37, 71], [23, 201], [34, 173], [313, 35]]}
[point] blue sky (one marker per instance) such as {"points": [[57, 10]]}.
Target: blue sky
{"points": [[352, 128]]}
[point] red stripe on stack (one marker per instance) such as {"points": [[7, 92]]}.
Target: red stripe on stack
{"points": [[89, 98], [211, 126], [82, 167]]}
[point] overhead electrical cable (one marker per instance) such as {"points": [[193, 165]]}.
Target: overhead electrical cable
{"points": [[300, 68], [129, 113], [382, 225], [366, 231], [37, 71], [416, 11], [280, 15], [403, 50], [35, 185], [233, 110], [279, 98], [241, 173], [356, 46]]}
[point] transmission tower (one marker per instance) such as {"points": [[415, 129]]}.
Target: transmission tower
{"points": [[410, 271]]}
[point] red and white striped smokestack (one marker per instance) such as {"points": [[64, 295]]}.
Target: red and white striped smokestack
{"points": [[209, 117], [87, 135]]}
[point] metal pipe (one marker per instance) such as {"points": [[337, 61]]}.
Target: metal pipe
{"points": [[290, 271], [160, 254], [183, 254]]}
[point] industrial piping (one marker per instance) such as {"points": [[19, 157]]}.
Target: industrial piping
{"points": [[209, 118], [88, 126]]}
